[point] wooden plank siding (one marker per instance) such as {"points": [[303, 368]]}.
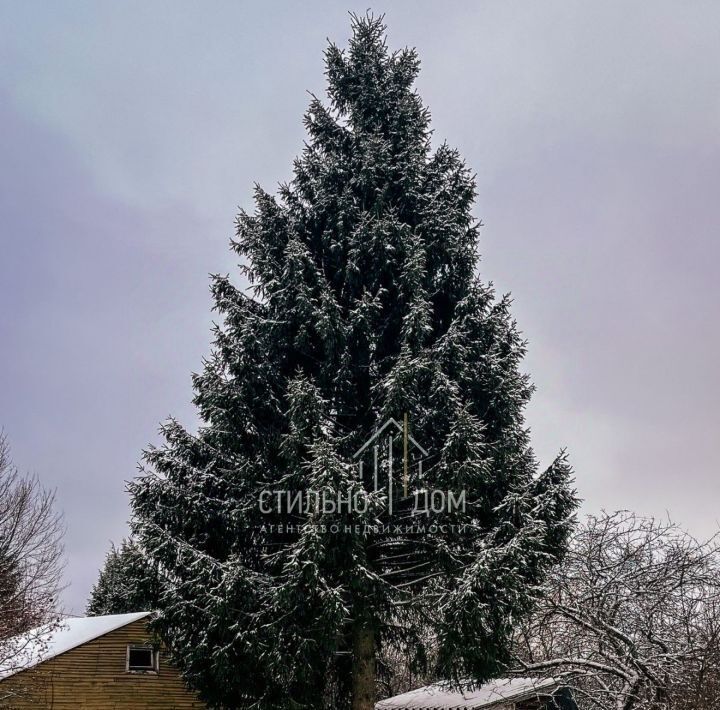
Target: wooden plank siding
{"points": [[94, 675]]}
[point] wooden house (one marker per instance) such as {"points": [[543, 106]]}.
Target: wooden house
{"points": [[101, 662], [500, 694]]}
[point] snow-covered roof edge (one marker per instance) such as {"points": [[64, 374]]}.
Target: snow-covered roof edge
{"points": [[51, 640], [440, 696]]}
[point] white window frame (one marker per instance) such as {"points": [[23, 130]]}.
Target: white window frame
{"points": [[155, 655]]}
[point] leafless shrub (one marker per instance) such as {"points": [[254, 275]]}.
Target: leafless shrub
{"points": [[31, 561], [631, 619]]}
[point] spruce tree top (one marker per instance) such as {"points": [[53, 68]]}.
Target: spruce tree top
{"points": [[363, 304], [127, 583]]}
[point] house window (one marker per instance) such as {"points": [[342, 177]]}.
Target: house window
{"points": [[142, 659]]}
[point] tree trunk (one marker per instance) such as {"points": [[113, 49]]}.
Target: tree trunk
{"points": [[363, 668]]}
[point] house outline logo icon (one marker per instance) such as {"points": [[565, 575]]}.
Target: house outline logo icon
{"points": [[375, 441]]}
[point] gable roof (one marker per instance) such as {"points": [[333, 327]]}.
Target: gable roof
{"points": [[46, 642], [440, 697]]}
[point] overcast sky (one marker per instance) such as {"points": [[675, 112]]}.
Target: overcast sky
{"points": [[130, 132]]}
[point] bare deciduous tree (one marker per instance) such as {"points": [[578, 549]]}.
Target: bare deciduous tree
{"points": [[31, 561], [631, 618]]}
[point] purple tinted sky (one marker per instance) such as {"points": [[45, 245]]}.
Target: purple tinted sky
{"points": [[130, 132]]}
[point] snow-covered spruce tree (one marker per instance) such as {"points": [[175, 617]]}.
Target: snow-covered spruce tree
{"points": [[364, 305], [128, 582]]}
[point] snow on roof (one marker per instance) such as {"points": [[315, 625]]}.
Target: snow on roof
{"points": [[46, 642], [440, 697]]}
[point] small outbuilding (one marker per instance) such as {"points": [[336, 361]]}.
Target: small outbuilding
{"points": [[500, 694]]}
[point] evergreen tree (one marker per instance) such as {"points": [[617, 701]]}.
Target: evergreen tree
{"points": [[128, 582], [363, 305]]}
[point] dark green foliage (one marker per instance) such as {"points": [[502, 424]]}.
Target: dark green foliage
{"points": [[128, 582], [364, 304]]}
